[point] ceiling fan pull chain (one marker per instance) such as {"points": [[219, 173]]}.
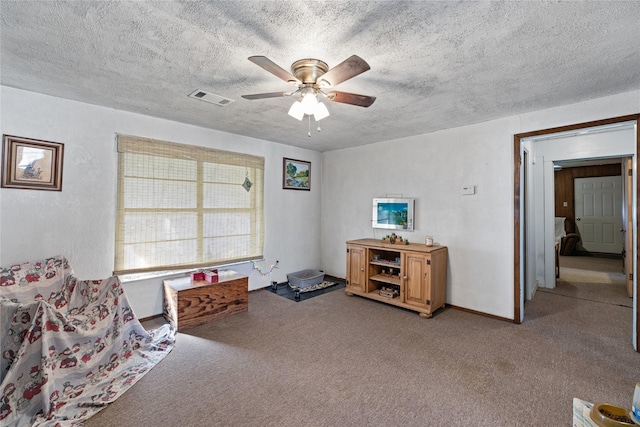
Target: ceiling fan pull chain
{"points": [[309, 134]]}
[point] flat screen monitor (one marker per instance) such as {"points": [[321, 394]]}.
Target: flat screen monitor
{"points": [[393, 214]]}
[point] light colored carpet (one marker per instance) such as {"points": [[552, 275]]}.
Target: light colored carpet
{"points": [[593, 279], [349, 361]]}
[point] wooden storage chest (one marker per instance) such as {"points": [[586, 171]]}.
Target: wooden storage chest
{"points": [[189, 303]]}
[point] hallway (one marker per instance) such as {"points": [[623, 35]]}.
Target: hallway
{"points": [[593, 279]]}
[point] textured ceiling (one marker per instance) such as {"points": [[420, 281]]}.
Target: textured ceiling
{"points": [[434, 65]]}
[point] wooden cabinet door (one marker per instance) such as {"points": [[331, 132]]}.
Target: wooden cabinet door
{"points": [[356, 268], [418, 282]]}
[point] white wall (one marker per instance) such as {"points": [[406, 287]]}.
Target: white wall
{"points": [[79, 222], [478, 229], [303, 229]]}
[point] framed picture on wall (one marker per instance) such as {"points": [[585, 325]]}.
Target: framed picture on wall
{"points": [[31, 163], [296, 174]]}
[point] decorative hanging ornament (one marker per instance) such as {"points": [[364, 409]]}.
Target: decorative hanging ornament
{"points": [[247, 184], [262, 273]]}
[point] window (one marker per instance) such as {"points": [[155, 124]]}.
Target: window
{"points": [[183, 206]]}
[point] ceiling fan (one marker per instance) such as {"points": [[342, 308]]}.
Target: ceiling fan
{"points": [[313, 79]]}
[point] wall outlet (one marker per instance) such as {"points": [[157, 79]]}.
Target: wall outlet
{"points": [[468, 190]]}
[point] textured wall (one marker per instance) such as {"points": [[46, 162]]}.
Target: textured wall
{"points": [[433, 168], [79, 222]]}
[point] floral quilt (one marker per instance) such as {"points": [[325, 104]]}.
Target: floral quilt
{"points": [[69, 346]]}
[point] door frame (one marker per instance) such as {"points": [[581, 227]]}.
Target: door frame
{"points": [[517, 293], [627, 222]]}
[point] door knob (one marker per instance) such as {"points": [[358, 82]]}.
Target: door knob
{"points": [[578, 219]]}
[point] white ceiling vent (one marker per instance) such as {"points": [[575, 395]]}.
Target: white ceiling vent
{"points": [[211, 97]]}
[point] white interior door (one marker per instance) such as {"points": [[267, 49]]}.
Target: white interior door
{"points": [[599, 213]]}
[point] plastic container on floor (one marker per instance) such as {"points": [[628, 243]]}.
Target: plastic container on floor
{"points": [[305, 278]]}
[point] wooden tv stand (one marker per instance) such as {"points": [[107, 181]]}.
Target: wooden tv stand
{"points": [[412, 276]]}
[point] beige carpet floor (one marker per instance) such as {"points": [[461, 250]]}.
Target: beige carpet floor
{"points": [[594, 279], [336, 360]]}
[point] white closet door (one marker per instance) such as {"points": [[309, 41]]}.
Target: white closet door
{"points": [[599, 213]]}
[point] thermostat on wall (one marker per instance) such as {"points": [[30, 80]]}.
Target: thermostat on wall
{"points": [[468, 190]]}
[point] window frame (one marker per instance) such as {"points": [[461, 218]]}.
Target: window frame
{"points": [[254, 166]]}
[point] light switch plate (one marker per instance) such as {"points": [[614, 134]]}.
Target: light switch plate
{"points": [[468, 190]]}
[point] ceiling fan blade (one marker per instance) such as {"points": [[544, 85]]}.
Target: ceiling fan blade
{"points": [[350, 67], [266, 95], [351, 98], [274, 69]]}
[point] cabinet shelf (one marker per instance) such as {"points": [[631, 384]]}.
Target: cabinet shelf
{"points": [[376, 296], [386, 279], [385, 264]]}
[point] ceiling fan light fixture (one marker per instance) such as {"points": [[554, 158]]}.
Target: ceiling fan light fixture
{"points": [[309, 103], [311, 77], [297, 110], [321, 112]]}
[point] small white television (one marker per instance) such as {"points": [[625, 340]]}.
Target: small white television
{"points": [[393, 214]]}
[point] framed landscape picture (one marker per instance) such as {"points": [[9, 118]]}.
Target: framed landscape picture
{"points": [[31, 163], [296, 174]]}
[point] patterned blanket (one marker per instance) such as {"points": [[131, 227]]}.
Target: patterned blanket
{"points": [[69, 346]]}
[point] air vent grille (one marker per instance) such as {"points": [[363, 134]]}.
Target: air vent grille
{"points": [[211, 97]]}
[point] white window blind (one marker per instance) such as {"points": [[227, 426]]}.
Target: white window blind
{"points": [[183, 206]]}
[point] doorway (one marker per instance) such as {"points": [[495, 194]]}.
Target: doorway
{"points": [[590, 203], [545, 239]]}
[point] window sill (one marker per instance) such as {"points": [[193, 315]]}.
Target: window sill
{"points": [[136, 277]]}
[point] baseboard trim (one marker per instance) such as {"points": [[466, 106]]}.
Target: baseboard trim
{"points": [[455, 307], [144, 319], [492, 316], [597, 254]]}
